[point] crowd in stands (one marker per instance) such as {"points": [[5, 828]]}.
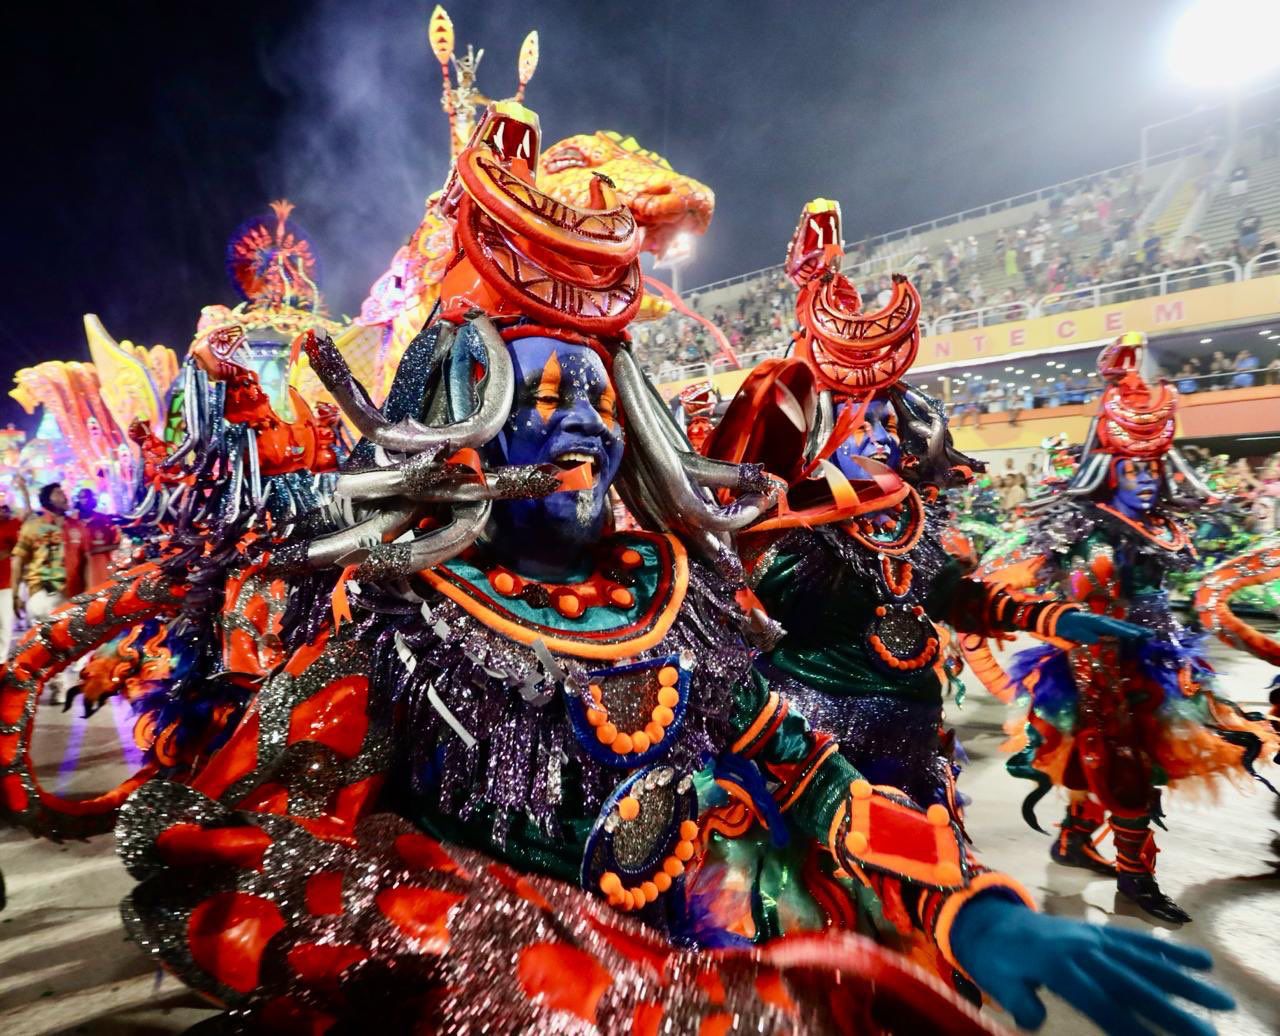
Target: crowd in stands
{"points": [[1083, 235], [973, 396], [760, 321], [1220, 371]]}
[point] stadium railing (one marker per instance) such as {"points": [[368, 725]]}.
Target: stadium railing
{"points": [[1165, 282], [904, 235]]}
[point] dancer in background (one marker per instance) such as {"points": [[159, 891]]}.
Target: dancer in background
{"points": [[1114, 722], [864, 576]]}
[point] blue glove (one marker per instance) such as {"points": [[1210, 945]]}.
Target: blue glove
{"points": [[1085, 628], [1125, 981]]}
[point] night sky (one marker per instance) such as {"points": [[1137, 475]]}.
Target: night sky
{"points": [[141, 134]]}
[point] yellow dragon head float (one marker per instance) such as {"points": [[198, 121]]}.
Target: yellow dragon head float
{"points": [[665, 203]]}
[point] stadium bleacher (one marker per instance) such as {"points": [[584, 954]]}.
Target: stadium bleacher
{"points": [[1108, 227]]}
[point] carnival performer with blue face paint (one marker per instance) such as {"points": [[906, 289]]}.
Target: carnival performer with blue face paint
{"points": [[566, 414], [863, 575], [473, 794], [1114, 722]]}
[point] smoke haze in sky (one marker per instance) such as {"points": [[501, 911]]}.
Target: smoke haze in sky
{"points": [[148, 131]]}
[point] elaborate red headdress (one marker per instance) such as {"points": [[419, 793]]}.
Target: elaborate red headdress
{"points": [[1135, 419], [522, 252], [850, 352]]}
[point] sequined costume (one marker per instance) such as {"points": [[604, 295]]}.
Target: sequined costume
{"points": [[1114, 722], [859, 564], [186, 632]]}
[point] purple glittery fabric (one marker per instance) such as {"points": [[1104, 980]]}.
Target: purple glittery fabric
{"points": [[888, 739], [485, 680]]}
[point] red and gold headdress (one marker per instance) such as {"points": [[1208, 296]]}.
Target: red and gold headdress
{"points": [[1135, 419], [850, 352], [522, 252]]}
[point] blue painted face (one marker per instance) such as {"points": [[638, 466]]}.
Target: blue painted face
{"points": [[877, 439], [564, 413], [1137, 486]]}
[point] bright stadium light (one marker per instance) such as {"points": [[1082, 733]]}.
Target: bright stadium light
{"points": [[1225, 44]]}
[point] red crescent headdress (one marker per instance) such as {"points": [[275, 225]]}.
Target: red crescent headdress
{"points": [[1135, 419], [522, 252], [850, 352]]}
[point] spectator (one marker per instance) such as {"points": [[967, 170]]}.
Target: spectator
{"points": [[1077, 387], [49, 562], [102, 536], [1036, 252], [1102, 204], [1219, 369], [1248, 227], [1187, 379], [993, 397], [1011, 261], [1268, 257], [1244, 365], [1014, 491], [1273, 371], [965, 402]]}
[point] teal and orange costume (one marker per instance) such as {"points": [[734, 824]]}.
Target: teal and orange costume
{"points": [[859, 564], [1113, 723]]}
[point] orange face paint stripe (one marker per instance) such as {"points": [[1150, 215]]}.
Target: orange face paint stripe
{"points": [[549, 385]]}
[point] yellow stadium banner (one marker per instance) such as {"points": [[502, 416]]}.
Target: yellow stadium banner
{"points": [[1201, 307], [1237, 302]]}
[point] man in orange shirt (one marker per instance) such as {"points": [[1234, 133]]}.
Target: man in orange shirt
{"points": [[102, 536]]}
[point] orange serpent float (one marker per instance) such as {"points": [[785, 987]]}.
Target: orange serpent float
{"points": [[1212, 600]]}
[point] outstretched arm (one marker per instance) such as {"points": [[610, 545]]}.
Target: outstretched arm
{"points": [[985, 607], [982, 922]]}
